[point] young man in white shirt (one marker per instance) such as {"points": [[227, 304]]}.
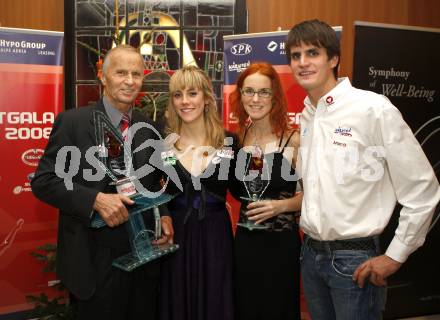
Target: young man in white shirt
{"points": [[357, 159]]}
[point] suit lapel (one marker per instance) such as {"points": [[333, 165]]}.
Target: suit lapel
{"points": [[92, 136], [91, 130], [139, 158]]}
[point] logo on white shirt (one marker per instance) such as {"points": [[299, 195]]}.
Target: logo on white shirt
{"points": [[329, 100], [343, 131], [304, 132]]}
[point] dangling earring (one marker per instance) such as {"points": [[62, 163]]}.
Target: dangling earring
{"points": [[206, 108]]}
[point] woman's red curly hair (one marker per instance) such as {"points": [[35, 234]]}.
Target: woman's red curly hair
{"points": [[278, 114]]}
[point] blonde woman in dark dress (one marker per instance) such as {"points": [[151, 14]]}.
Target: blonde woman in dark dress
{"points": [[197, 278]]}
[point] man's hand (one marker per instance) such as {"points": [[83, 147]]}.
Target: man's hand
{"points": [[378, 269], [111, 207], [167, 231]]}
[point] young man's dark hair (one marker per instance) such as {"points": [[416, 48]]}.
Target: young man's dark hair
{"points": [[317, 33]]}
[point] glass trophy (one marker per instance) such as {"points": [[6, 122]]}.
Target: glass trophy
{"points": [[255, 189], [112, 156]]}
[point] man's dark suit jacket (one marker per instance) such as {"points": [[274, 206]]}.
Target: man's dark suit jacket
{"points": [[76, 240]]}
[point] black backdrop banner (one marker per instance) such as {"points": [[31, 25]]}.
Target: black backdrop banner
{"points": [[402, 63]]}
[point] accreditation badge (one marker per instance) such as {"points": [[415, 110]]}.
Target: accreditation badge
{"points": [[168, 158], [225, 153]]}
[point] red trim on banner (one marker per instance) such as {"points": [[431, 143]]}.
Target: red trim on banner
{"points": [[34, 68]]}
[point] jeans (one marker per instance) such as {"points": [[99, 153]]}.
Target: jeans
{"points": [[330, 290]]}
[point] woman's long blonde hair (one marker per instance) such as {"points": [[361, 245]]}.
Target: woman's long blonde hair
{"points": [[191, 77]]}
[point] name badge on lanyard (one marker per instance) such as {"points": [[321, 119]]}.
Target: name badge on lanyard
{"points": [[168, 158], [225, 153]]}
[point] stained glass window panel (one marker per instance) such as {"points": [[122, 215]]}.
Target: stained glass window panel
{"points": [[87, 94], [88, 51], [168, 33], [208, 13], [99, 13], [154, 13]]}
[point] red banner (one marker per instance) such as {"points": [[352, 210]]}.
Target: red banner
{"points": [[31, 94]]}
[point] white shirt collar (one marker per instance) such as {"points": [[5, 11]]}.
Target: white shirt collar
{"points": [[330, 98]]}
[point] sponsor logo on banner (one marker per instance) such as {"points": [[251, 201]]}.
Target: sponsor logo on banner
{"points": [[25, 187], [15, 117], [241, 49], [232, 118], [30, 176], [294, 117], [31, 157], [238, 67], [16, 125], [272, 46], [22, 44], [32, 48], [17, 190]]}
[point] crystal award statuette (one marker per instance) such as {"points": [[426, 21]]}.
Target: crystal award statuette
{"points": [[112, 156], [255, 188]]}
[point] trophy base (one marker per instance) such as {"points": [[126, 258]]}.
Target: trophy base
{"points": [[142, 203], [130, 261], [252, 226]]}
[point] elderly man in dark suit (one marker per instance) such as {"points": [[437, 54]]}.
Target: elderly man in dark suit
{"points": [[85, 255]]}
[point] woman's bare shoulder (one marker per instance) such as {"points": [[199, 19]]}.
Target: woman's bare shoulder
{"points": [[293, 136]]}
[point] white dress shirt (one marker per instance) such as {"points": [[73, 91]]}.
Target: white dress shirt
{"points": [[357, 158]]}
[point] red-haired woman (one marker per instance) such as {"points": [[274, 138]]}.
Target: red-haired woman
{"points": [[266, 260]]}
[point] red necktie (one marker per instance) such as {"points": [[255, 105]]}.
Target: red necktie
{"points": [[123, 126]]}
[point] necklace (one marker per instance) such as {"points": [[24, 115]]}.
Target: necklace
{"points": [[255, 188], [204, 153], [257, 152], [184, 149]]}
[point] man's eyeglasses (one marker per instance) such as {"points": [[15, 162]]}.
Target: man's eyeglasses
{"points": [[262, 93]]}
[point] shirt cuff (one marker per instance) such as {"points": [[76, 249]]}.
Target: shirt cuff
{"points": [[398, 251]]}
